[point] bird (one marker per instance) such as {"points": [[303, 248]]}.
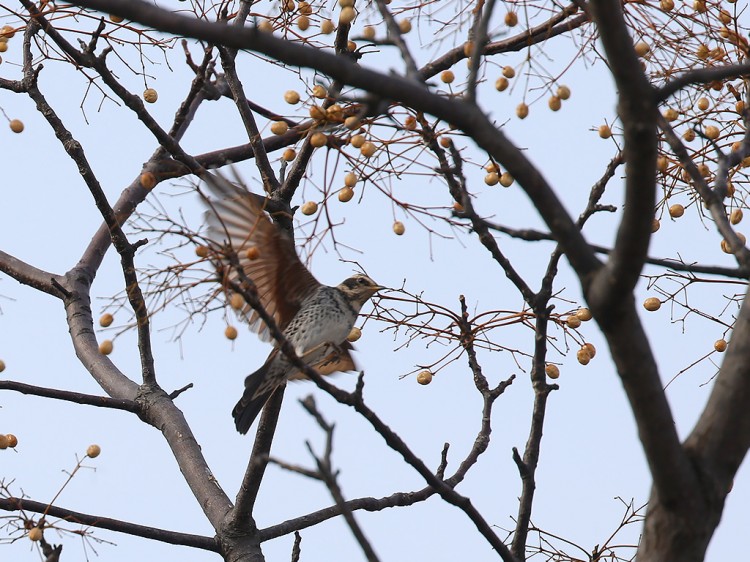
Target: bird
{"points": [[314, 318]]}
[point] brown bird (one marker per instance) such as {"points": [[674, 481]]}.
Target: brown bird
{"points": [[315, 318]]}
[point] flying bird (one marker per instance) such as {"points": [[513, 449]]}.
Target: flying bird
{"points": [[315, 318]]}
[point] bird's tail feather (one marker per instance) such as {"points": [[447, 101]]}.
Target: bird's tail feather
{"points": [[253, 399]]}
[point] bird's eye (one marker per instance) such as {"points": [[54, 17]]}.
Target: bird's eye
{"points": [[362, 281]]}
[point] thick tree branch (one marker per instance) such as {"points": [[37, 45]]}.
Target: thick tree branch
{"points": [[69, 396]]}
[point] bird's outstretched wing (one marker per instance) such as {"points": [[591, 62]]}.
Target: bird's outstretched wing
{"points": [[237, 222]]}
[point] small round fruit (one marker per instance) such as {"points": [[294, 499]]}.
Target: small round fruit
{"points": [[150, 95], [447, 76], [735, 216], [492, 178], [327, 27], [335, 113], [689, 135], [279, 127], [563, 92], [725, 17], [666, 5], [719, 345], [552, 371], [347, 15], [236, 301], [424, 378], [318, 139], [404, 26], [506, 180], [106, 319], [700, 6], [671, 114], [739, 107], [252, 253], [446, 142], [106, 347], [589, 347], [604, 131], [291, 97], [303, 23], [583, 356], [522, 110], [642, 48], [319, 91], [501, 84], [410, 123], [93, 451], [573, 321], [368, 149], [368, 32], [584, 314], [554, 103], [712, 132], [16, 125], [509, 71], [12, 440], [652, 304], [346, 3], [35, 534], [662, 163], [703, 104], [4, 442], [309, 208], [511, 19], [655, 225], [676, 211], [304, 8], [468, 48], [2, 365], [346, 194], [492, 167], [201, 251], [265, 26], [350, 179], [7, 31], [725, 247], [352, 122], [148, 180], [115, 19], [317, 112], [289, 155], [3, 46], [230, 332], [399, 228], [354, 334], [357, 141]]}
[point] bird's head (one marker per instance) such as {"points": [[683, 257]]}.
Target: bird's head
{"points": [[359, 288]]}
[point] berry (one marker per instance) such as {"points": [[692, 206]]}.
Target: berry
{"points": [[424, 378], [93, 451]]}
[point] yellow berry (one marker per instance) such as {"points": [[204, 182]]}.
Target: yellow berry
{"points": [[346, 194], [346, 3], [291, 97], [468, 48], [12, 440], [304, 8], [739, 107], [16, 125], [279, 127], [446, 142], [506, 180], [201, 251], [358, 141], [590, 349], [509, 71], [265, 26], [700, 6], [237, 301], [317, 112], [303, 23], [703, 104], [150, 95], [318, 139], [671, 114], [666, 5], [584, 314], [712, 132], [289, 155], [554, 103], [404, 26], [522, 110], [115, 19], [399, 228], [720, 345], [347, 15], [2, 365], [725, 17], [652, 304], [410, 123], [552, 371], [327, 27], [354, 334], [35, 534], [3, 46], [642, 48], [563, 92], [511, 19], [352, 122], [735, 216], [106, 347], [252, 253], [309, 208], [319, 91], [4, 442], [230, 332], [662, 162], [368, 149], [368, 32], [350, 179], [655, 225], [106, 320], [501, 83], [447, 76], [573, 321], [492, 178], [583, 356], [689, 135], [424, 378], [676, 211], [604, 131], [93, 451], [7, 31], [148, 180]]}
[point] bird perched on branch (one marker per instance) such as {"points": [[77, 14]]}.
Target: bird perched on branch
{"points": [[314, 318]]}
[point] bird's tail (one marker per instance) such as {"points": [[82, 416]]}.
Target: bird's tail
{"points": [[258, 389]]}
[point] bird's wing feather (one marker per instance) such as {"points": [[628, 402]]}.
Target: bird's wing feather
{"points": [[236, 222]]}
